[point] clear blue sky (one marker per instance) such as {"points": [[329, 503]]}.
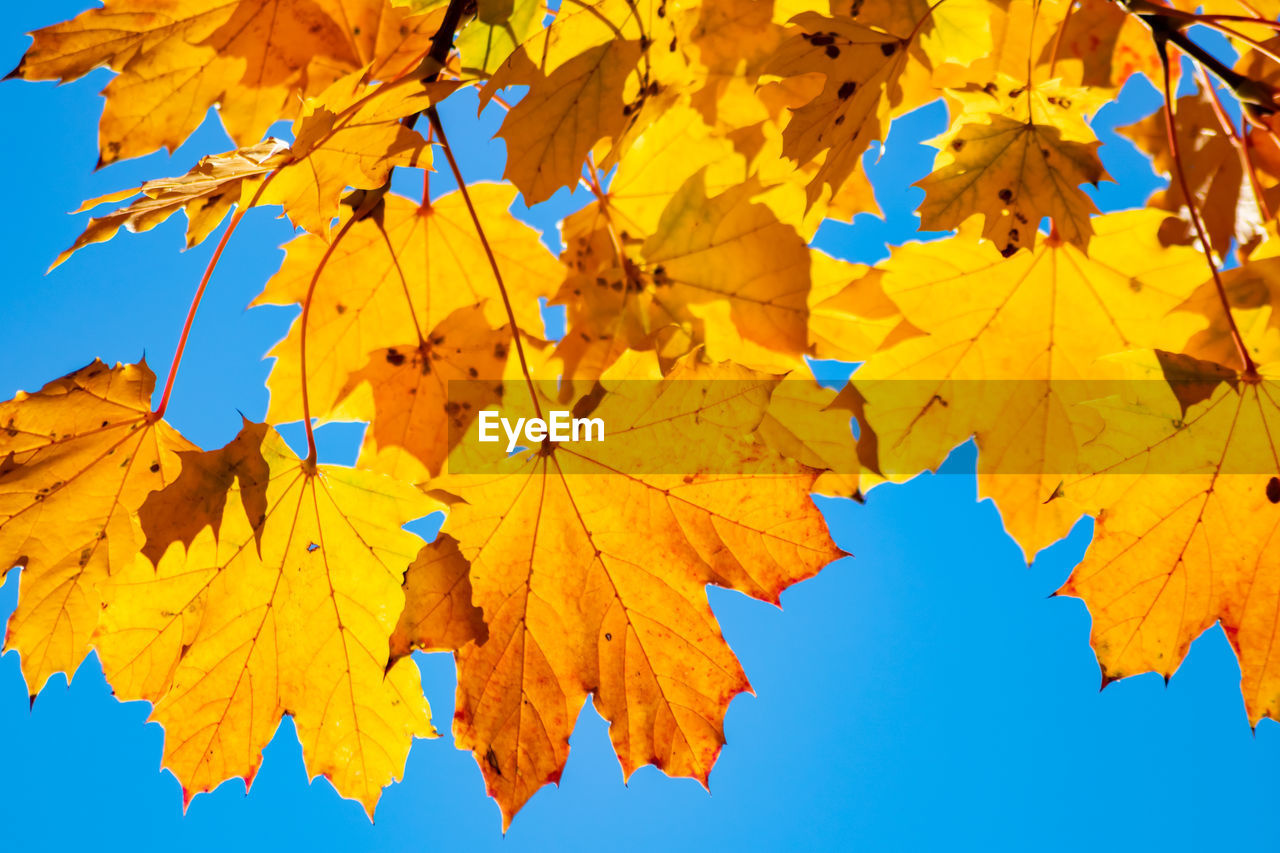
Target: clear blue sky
{"points": [[925, 694]]}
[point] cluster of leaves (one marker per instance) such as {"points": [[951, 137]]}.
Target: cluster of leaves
{"points": [[229, 587]]}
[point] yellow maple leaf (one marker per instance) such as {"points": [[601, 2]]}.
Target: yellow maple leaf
{"points": [[350, 135], [563, 115], [356, 143], [1010, 347], [1188, 522], [730, 250], [252, 58], [292, 614], [546, 525], [205, 194], [1015, 156], [958, 31], [77, 459], [1223, 196], [393, 279], [862, 69]]}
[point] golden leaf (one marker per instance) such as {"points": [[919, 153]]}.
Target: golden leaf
{"points": [[1014, 157], [77, 459], [1188, 520], [253, 58], [393, 279], [633, 552], [205, 194], [563, 115], [1010, 347], [292, 614]]}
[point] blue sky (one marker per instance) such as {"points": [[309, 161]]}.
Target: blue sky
{"points": [[926, 693]]}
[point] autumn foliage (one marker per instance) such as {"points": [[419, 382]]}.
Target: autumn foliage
{"points": [[1120, 366]]}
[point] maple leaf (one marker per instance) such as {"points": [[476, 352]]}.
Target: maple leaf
{"points": [[1015, 156], [77, 459], [735, 252], [721, 272], [1100, 45], [541, 526], [392, 280], [590, 74], [288, 612], [1223, 196], [1252, 291], [252, 58], [205, 194], [351, 136], [355, 146], [953, 32], [1042, 318], [850, 316], [564, 114], [499, 27], [1186, 503], [862, 69]]}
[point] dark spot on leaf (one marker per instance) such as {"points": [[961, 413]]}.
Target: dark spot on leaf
{"points": [[1006, 195], [833, 51], [155, 467], [957, 144], [839, 120], [1008, 250], [499, 350], [889, 48], [608, 636], [1273, 490], [847, 88], [492, 760], [395, 358], [472, 372], [340, 308]]}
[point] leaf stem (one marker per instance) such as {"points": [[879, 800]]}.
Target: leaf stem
{"points": [[1250, 370], [302, 336], [199, 295], [434, 117]]}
